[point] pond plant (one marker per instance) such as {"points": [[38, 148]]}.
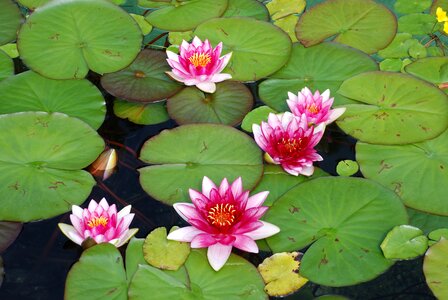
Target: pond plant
{"points": [[255, 95]]}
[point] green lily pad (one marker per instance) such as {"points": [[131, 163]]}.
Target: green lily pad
{"points": [[256, 116], [176, 38], [64, 39], [438, 234], [391, 65], [154, 4], [141, 113], [404, 242], [6, 66], [418, 24], [30, 91], [134, 257], [320, 67], [413, 171], [197, 280], [390, 114], [418, 51], [347, 167], [33, 4], [10, 49], [432, 69], [186, 15], [436, 269], [259, 48], [10, 21], [228, 105], [246, 8], [215, 151], [40, 163], [99, 274], [162, 253], [412, 6], [278, 182], [288, 25], [399, 46], [282, 8], [9, 231], [426, 222], [365, 24], [342, 220], [434, 51], [144, 25]]}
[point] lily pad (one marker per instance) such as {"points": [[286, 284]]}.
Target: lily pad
{"points": [[9, 231], [144, 80], [186, 15], [412, 6], [10, 49], [99, 274], [399, 46], [33, 4], [404, 242], [391, 65], [256, 116], [259, 48], [282, 8], [134, 257], [288, 25], [40, 164], [6, 66], [64, 39], [432, 69], [391, 114], [438, 234], [228, 105], [413, 171], [197, 280], [176, 38], [361, 24], [141, 113], [30, 91], [162, 253], [184, 155], [347, 167], [144, 25], [154, 4], [418, 24], [342, 220], [320, 67], [246, 8], [426, 222], [435, 269], [10, 21]]}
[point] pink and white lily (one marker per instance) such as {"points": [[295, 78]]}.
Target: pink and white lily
{"points": [[100, 222], [221, 218], [289, 140], [317, 107], [199, 64]]}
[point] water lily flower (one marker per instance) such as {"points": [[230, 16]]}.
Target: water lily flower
{"points": [[100, 222], [441, 15], [289, 140], [199, 64], [221, 218], [316, 107]]}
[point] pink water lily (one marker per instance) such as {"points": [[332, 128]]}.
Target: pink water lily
{"points": [[100, 222], [316, 107], [199, 64], [289, 140], [221, 218]]}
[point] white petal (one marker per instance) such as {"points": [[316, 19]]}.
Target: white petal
{"points": [[237, 187], [208, 87], [307, 171], [184, 234], [175, 77], [125, 211], [124, 239], [77, 211], [197, 42], [319, 128], [221, 77], [70, 232], [257, 199], [263, 232], [218, 254], [325, 95], [178, 209], [292, 97], [103, 203], [335, 113], [225, 60], [207, 186], [172, 56], [92, 205]]}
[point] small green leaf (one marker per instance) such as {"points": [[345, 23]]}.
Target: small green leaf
{"points": [[399, 47], [418, 51], [176, 37], [434, 51], [391, 65], [144, 25], [412, 6], [418, 24], [256, 116], [10, 49], [347, 167], [281, 8], [141, 113], [437, 234], [288, 25], [404, 242]]}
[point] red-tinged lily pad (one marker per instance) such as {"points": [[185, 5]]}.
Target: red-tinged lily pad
{"points": [[432, 69], [247, 8], [181, 157], [228, 105], [10, 21], [141, 113], [144, 80], [435, 269], [361, 24], [6, 66], [8, 234]]}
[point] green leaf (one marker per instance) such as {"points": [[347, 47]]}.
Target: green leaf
{"points": [[154, 4], [10, 21], [33, 4], [404, 242], [282, 8], [432, 69], [418, 51], [144, 25], [399, 46], [228, 105], [215, 151], [10, 49], [6, 66], [426, 222], [288, 25], [9, 231], [259, 48], [176, 38], [246, 8], [436, 269], [362, 24], [391, 65], [434, 51], [64, 39], [99, 274], [347, 167], [141, 113], [134, 257], [418, 24], [412, 6], [438, 234], [342, 220], [389, 114], [256, 116]]}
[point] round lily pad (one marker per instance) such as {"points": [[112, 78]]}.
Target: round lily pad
{"points": [[347, 167], [246, 8], [64, 39], [10, 21], [426, 222], [99, 274], [181, 157], [361, 24], [387, 113], [8, 234], [343, 220], [259, 48], [282, 8], [228, 105], [33, 4], [6, 66], [413, 171], [404, 242], [436, 269], [141, 113], [320, 67], [432, 69], [256, 116], [238, 280], [134, 257], [288, 25], [418, 24], [412, 6], [30, 91], [40, 164], [186, 15], [144, 80]]}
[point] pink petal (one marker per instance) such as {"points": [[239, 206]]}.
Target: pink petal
{"points": [[92, 205], [208, 87], [175, 77], [245, 243], [263, 232], [207, 186], [202, 240], [71, 233], [196, 42], [184, 234], [77, 211], [247, 227], [221, 77], [257, 199], [335, 113], [77, 223], [198, 199], [218, 254], [224, 61], [237, 187], [125, 238], [125, 222], [125, 211], [224, 186], [172, 56], [325, 95], [187, 211], [103, 203]]}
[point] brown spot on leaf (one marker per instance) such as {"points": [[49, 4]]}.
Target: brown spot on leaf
{"points": [[290, 238], [56, 184], [365, 250], [384, 166], [293, 209]]}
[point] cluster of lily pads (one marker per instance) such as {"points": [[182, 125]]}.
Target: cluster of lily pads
{"points": [[381, 65]]}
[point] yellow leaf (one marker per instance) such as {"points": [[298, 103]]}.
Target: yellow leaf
{"points": [[282, 8]]}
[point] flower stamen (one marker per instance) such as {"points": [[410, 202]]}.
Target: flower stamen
{"points": [[291, 145], [222, 214], [313, 109], [200, 59], [97, 221]]}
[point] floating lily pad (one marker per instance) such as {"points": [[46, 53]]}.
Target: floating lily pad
{"points": [[418, 51], [347, 167], [413, 171], [141, 113], [343, 220], [418, 24], [404, 242], [391, 65], [186, 15], [10, 21], [30, 91], [259, 48], [99, 274], [282, 8], [399, 46], [33, 4], [8, 234], [162, 253], [238, 279], [412, 6], [246, 8], [154, 4], [40, 163], [365, 24], [320, 67], [6, 66], [391, 114], [144, 25], [64, 39], [176, 38], [144, 80], [256, 116], [426, 222], [432, 69], [134, 257], [10, 49], [228, 105], [436, 269], [184, 155], [438, 234], [288, 25]]}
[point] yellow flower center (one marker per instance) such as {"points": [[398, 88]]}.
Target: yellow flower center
{"points": [[97, 221], [291, 145], [313, 109], [200, 59], [222, 214]]}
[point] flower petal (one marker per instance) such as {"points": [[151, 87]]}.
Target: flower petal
{"points": [[92, 205], [245, 243], [334, 114], [237, 187], [208, 87], [125, 211], [207, 186], [257, 199], [221, 77], [184, 234], [124, 239], [70, 232], [217, 255], [187, 211], [103, 203], [202, 240], [263, 232], [77, 211], [172, 56]]}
